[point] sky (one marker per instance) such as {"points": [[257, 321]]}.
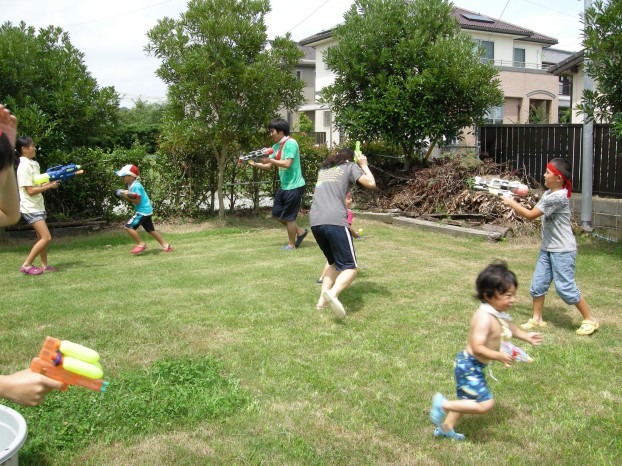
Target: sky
{"points": [[112, 33]]}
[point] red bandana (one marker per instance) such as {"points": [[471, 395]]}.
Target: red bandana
{"points": [[567, 183]]}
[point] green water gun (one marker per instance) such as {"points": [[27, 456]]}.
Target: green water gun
{"points": [[357, 150]]}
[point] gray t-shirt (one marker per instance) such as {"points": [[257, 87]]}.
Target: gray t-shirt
{"points": [[557, 233], [329, 199]]}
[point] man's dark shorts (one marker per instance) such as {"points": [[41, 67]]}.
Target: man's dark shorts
{"points": [[287, 203], [138, 220], [337, 246]]}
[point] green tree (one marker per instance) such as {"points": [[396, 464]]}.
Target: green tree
{"points": [[142, 123], [406, 74], [602, 40], [44, 81], [225, 80]]}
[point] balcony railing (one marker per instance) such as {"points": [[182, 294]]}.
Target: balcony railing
{"points": [[513, 64]]}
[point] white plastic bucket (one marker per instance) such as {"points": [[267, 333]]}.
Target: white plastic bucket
{"points": [[13, 431]]}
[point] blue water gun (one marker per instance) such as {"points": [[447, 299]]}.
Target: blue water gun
{"points": [[59, 173]]}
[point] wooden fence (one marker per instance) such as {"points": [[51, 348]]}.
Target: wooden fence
{"points": [[528, 148]]}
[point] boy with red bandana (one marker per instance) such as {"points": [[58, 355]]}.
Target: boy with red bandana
{"points": [[557, 257]]}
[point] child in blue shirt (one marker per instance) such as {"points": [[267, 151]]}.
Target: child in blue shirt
{"points": [[137, 195]]}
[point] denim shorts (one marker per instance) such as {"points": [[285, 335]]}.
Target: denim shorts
{"points": [[558, 266], [34, 217]]}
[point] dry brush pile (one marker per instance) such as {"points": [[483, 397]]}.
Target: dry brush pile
{"points": [[443, 189]]}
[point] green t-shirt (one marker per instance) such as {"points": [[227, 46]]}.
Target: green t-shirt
{"points": [[291, 178]]}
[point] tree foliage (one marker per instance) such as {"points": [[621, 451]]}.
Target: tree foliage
{"points": [[602, 40], [140, 124], [225, 81], [44, 81], [405, 73]]}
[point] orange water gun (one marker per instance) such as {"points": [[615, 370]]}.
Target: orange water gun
{"points": [[71, 364]]}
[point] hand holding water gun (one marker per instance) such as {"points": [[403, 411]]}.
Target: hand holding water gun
{"points": [[517, 353], [59, 173], [499, 187], [256, 155], [70, 363], [125, 194], [357, 150]]}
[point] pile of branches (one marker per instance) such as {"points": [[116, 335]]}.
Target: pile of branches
{"points": [[443, 188]]}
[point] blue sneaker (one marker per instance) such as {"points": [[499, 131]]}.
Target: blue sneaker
{"points": [[437, 415], [438, 432]]}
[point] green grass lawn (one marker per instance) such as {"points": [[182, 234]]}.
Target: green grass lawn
{"points": [[216, 354]]}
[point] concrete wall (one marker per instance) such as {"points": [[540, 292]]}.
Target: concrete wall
{"points": [[606, 215]]}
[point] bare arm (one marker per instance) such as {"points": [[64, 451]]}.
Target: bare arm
{"points": [[529, 214], [263, 165], [367, 179], [9, 197], [531, 337], [9, 194], [32, 190]]}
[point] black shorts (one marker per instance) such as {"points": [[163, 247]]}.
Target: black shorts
{"points": [[138, 220], [337, 246], [287, 203]]}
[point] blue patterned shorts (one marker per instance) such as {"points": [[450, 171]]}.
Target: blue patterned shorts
{"points": [[470, 378]]}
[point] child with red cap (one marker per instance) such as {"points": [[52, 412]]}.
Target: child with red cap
{"points": [[136, 194]]}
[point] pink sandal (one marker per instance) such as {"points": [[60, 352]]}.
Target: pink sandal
{"points": [[32, 270]]}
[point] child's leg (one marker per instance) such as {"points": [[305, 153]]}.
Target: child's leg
{"points": [[158, 237], [540, 283], [538, 305], [40, 248], [584, 309], [328, 281], [456, 408], [326, 267], [342, 280], [134, 234]]}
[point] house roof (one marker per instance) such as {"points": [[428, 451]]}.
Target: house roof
{"points": [[477, 22], [308, 51], [553, 56], [468, 20], [566, 65]]}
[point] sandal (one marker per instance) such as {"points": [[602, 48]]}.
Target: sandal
{"points": [[587, 327], [533, 325], [32, 270], [139, 248]]}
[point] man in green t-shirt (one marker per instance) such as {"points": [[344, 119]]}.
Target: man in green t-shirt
{"points": [[288, 198]]}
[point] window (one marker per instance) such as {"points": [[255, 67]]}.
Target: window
{"points": [[519, 58], [489, 50], [494, 116], [298, 75]]}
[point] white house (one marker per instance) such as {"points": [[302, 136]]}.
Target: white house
{"points": [[515, 51]]}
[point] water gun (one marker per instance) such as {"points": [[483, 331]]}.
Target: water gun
{"points": [[59, 173], [499, 187], [120, 193], [357, 150], [256, 154], [513, 350], [70, 363]]}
